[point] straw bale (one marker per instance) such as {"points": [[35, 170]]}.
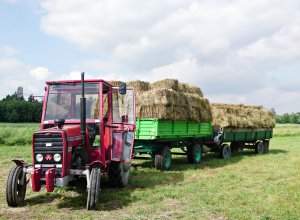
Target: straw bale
{"points": [[241, 116], [165, 84], [172, 105], [184, 87], [139, 86], [114, 83], [171, 100]]}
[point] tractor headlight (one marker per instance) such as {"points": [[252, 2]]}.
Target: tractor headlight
{"points": [[39, 157], [57, 157]]}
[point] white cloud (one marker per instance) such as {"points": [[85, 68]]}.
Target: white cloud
{"points": [[40, 73], [230, 48], [74, 75], [9, 51]]}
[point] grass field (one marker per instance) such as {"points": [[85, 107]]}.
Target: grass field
{"points": [[246, 186]]}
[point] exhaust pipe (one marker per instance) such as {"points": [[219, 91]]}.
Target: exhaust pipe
{"points": [[82, 112]]}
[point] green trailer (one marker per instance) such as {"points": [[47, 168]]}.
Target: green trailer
{"points": [[229, 140], [157, 137]]}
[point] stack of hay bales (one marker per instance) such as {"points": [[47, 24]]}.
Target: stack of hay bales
{"points": [[170, 100], [241, 116]]}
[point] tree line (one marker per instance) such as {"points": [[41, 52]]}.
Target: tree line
{"points": [[292, 118], [16, 109]]}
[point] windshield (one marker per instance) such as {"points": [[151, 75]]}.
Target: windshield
{"points": [[64, 101]]}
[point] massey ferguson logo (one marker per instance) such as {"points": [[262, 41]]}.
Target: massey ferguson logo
{"points": [[48, 157]]}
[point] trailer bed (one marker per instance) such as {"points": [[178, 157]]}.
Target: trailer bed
{"points": [[246, 135], [165, 130]]}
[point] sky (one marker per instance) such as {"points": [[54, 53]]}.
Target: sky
{"points": [[235, 51]]}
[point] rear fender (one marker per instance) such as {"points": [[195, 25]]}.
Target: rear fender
{"points": [[95, 164], [20, 162]]}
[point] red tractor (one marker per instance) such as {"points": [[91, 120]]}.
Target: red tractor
{"points": [[87, 129]]}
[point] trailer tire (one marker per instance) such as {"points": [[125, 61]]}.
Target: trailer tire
{"points": [[16, 187], [94, 189], [163, 159], [266, 146], [118, 173], [259, 147], [225, 152], [194, 153]]}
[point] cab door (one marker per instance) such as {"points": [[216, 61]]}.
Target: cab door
{"points": [[122, 128]]}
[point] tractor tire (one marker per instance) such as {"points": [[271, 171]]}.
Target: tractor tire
{"points": [[118, 173], [94, 189], [194, 153], [259, 147], [163, 159], [16, 187], [225, 151], [266, 146]]}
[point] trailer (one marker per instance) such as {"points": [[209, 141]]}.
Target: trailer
{"points": [[157, 137], [230, 140]]}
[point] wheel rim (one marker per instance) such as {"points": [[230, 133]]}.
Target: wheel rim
{"points": [[198, 155], [20, 188], [226, 152], [261, 149], [167, 160]]}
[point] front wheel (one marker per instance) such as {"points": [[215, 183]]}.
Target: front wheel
{"points": [[163, 159], [118, 173], [194, 153], [94, 189], [16, 187]]}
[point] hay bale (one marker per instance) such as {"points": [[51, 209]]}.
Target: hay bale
{"points": [[139, 86], [171, 100], [241, 116], [184, 87], [114, 83], [172, 105], [165, 84]]}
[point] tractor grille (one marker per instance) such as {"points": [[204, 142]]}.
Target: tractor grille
{"points": [[48, 145]]}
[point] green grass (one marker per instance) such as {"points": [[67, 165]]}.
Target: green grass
{"points": [[246, 186]]}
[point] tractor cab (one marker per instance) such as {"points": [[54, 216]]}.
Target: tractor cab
{"points": [[87, 129]]}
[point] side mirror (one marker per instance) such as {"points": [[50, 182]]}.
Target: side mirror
{"points": [[122, 88]]}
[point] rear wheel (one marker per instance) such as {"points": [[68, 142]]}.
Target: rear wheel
{"points": [[163, 159], [194, 153], [94, 189], [259, 147], [118, 173], [225, 151], [16, 187]]}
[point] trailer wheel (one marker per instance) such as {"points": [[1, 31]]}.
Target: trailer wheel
{"points": [[259, 147], [225, 151], [118, 173], [194, 153], [94, 189], [163, 159], [266, 146], [16, 186]]}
